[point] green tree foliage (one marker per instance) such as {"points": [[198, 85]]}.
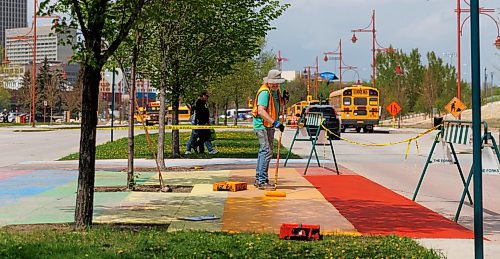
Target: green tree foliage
{"points": [[241, 83], [103, 25], [4, 99], [297, 90], [417, 88], [24, 93], [72, 98], [236, 87], [198, 41]]}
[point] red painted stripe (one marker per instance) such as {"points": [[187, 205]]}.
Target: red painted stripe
{"points": [[374, 209]]}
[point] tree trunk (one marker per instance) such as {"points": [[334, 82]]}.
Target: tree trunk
{"points": [[135, 56], [216, 115], [50, 119], [163, 88], [161, 128], [175, 120], [225, 113], [86, 166], [236, 112]]}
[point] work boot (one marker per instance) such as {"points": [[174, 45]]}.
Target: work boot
{"points": [[267, 186]]}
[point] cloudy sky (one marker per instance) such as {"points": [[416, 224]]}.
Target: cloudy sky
{"points": [[311, 27]]}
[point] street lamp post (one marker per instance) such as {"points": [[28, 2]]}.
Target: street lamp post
{"points": [[337, 55], [307, 70], [372, 30], [33, 83], [34, 46], [280, 60], [460, 24]]}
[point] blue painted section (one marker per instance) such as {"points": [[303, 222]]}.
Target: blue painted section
{"points": [[17, 187]]}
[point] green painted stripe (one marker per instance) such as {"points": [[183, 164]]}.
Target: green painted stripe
{"points": [[466, 133], [449, 131], [461, 132], [456, 134]]}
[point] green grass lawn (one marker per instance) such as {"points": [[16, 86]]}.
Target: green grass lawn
{"points": [[230, 144], [107, 243], [8, 124]]}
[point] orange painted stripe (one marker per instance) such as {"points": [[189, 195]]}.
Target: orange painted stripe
{"points": [[252, 211]]}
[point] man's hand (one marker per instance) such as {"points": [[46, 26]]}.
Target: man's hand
{"points": [[286, 96], [278, 125]]}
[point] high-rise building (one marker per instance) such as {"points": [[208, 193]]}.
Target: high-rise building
{"points": [[19, 42], [13, 14]]}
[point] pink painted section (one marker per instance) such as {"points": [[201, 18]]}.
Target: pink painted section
{"points": [[12, 173]]}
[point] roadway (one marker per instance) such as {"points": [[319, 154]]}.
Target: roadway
{"points": [[21, 144]]}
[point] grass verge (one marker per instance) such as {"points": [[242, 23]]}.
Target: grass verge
{"points": [[230, 144], [109, 243]]}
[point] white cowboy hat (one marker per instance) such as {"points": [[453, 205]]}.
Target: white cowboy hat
{"points": [[274, 77]]}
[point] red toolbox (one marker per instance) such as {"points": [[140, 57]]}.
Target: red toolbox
{"points": [[300, 232]]}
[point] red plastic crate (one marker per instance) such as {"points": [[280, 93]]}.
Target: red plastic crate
{"points": [[300, 232]]}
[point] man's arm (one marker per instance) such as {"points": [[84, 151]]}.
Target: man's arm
{"points": [[261, 110]]}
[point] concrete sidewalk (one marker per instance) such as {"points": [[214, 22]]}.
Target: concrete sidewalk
{"points": [[36, 195], [44, 192]]}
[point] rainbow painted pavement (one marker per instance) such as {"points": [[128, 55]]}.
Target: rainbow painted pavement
{"points": [[36, 195]]}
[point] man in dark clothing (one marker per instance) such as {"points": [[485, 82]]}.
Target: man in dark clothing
{"points": [[202, 117]]}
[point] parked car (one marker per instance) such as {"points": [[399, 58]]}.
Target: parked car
{"points": [[331, 119], [12, 117], [243, 114], [38, 118]]}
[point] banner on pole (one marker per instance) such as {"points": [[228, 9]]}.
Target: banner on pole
{"points": [[490, 162], [442, 155]]}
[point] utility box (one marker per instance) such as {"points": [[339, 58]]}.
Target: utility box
{"points": [[300, 232], [230, 186]]}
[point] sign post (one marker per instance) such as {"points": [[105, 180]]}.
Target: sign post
{"points": [[393, 108], [44, 110], [113, 77]]}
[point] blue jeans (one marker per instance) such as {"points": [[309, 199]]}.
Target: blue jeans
{"points": [[192, 140], [266, 137]]}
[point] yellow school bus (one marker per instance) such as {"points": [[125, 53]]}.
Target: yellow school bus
{"points": [[184, 113], [141, 114], [294, 111], [358, 106]]}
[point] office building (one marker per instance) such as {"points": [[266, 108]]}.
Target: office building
{"points": [[19, 46], [13, 14]]}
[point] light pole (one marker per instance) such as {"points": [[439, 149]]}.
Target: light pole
{"points": [[372, 30], [34, 46], [307, 70], [460, 25], [280, 60], [337, 55]]}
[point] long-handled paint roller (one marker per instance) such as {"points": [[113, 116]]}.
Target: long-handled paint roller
{"points": [[276, 193]]}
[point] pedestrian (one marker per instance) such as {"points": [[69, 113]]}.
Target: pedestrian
{"points": [[201, 137], [5, 115], [266, 111]]}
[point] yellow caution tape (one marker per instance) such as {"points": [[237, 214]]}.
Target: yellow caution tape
{"points": [[177, 127], [409, 140]]}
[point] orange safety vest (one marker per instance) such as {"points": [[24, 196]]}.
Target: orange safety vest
{"points": [[271, 109]]}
